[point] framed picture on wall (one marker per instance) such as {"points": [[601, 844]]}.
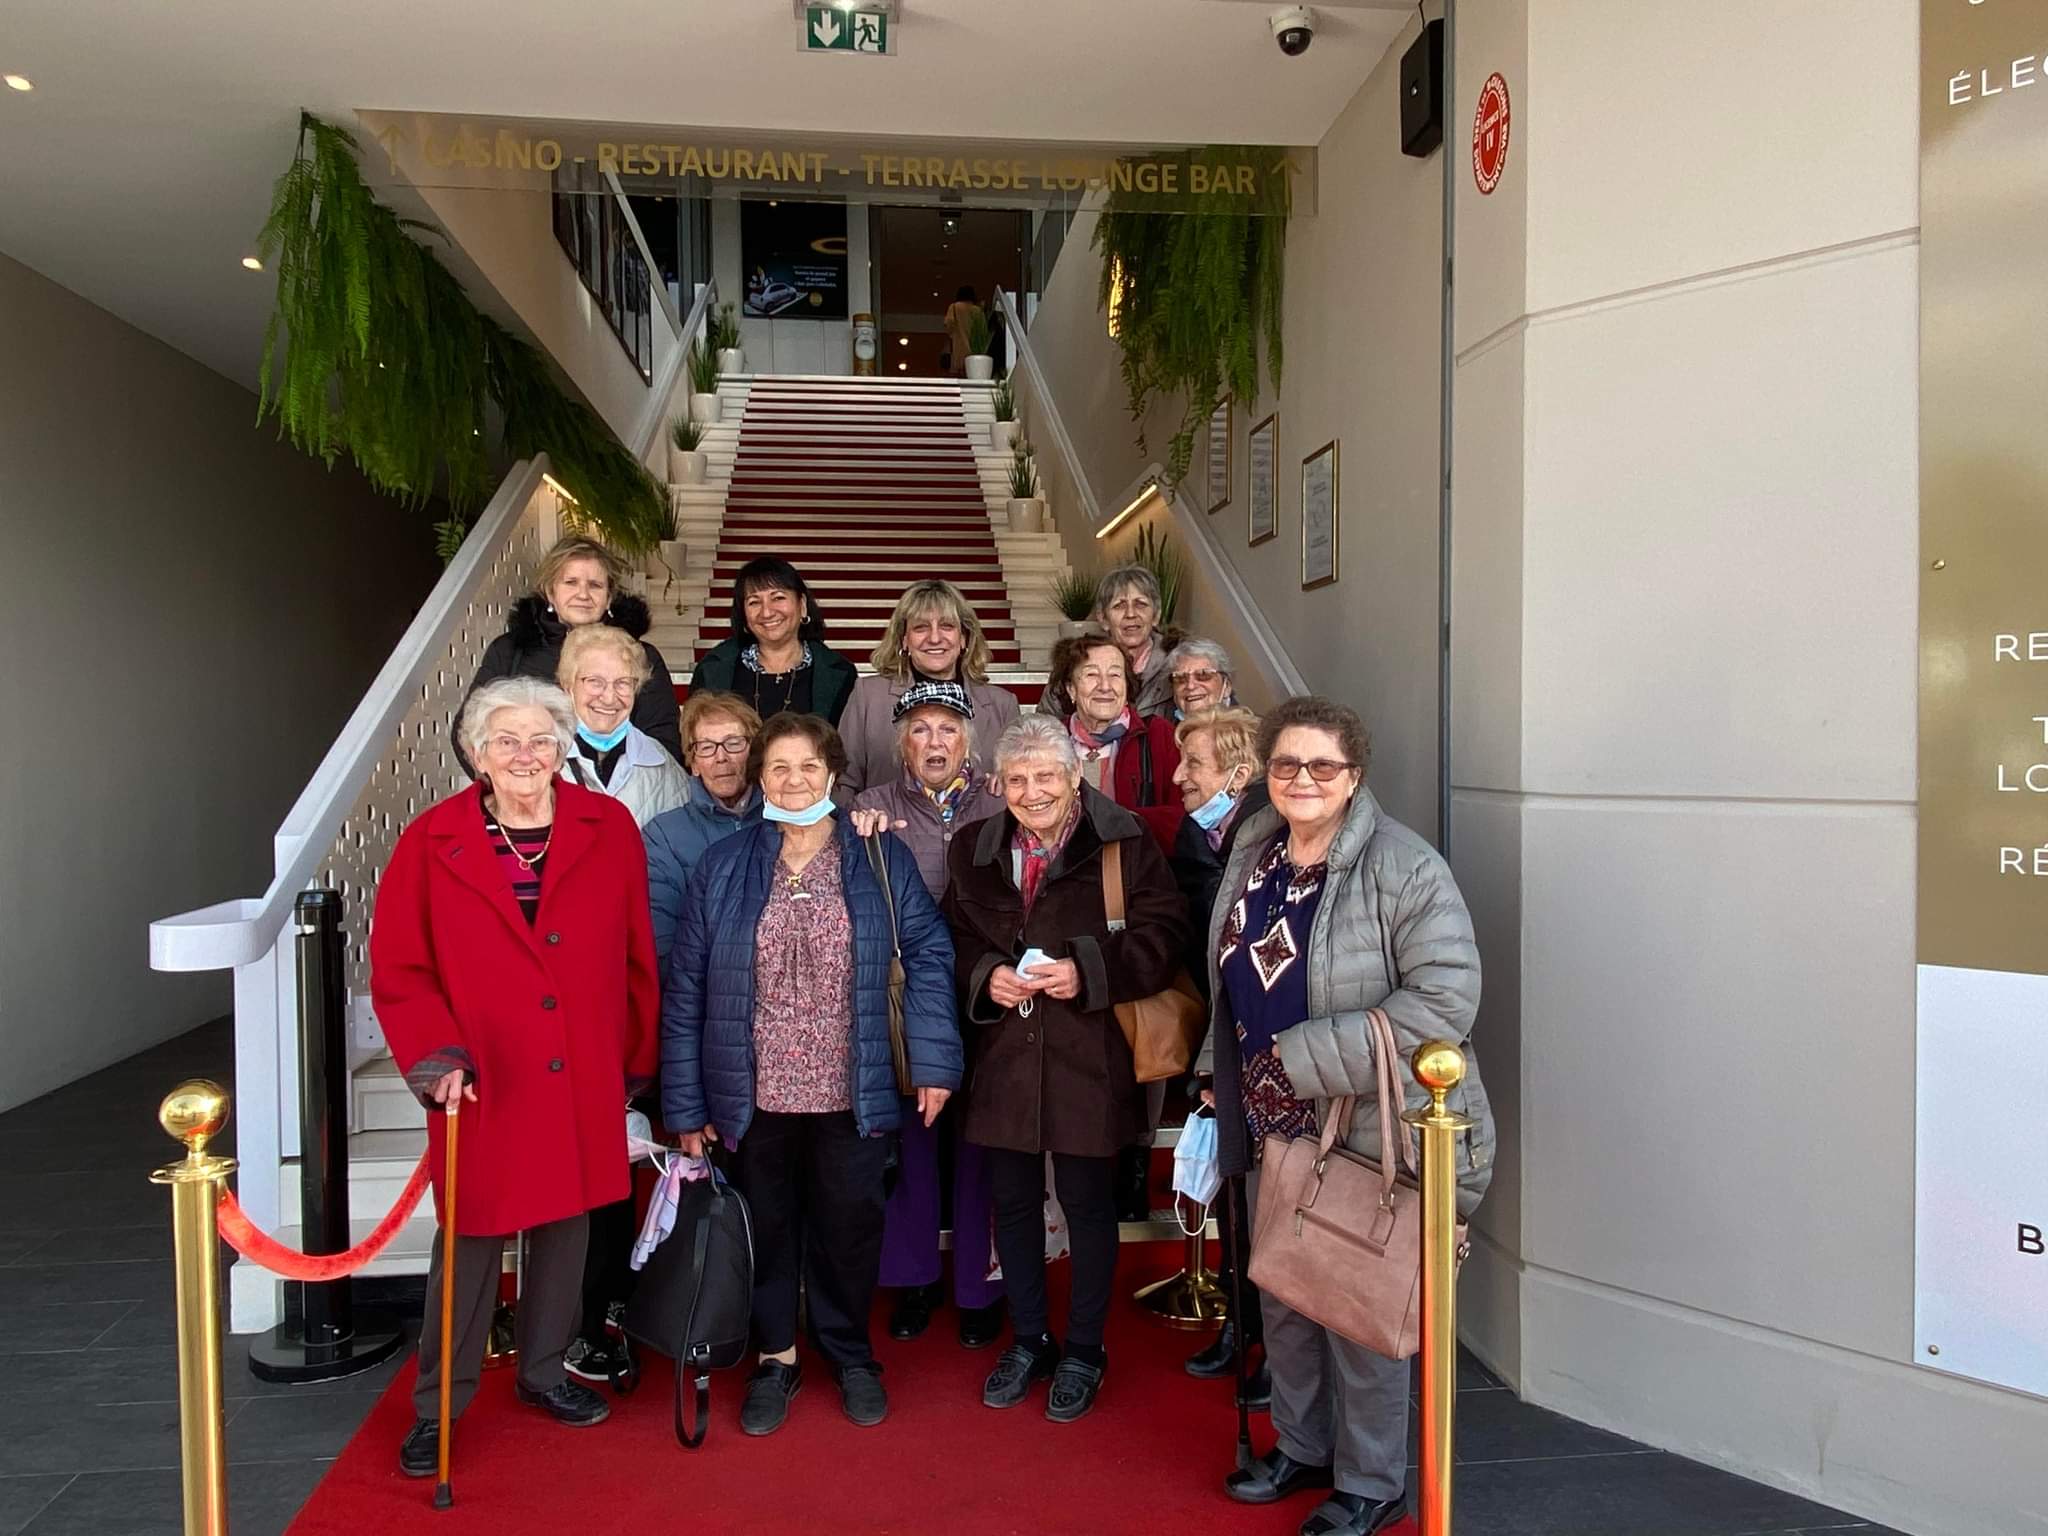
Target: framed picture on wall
{"points": [[1319, 517], [1221, 424], [1262, 519]]}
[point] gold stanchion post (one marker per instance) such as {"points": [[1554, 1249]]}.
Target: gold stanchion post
{"points": [[1439, 1066], [194, 1113]]}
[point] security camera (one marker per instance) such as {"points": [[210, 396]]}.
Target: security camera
{"points": [[1294, 28]]}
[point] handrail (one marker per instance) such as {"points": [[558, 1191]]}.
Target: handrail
{"points": [[238, 932], [668, 308], [654, 416], [1048, 413], [1269, 656]]}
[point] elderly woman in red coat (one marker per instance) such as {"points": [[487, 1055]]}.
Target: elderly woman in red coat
{"points": [[512, 968]]}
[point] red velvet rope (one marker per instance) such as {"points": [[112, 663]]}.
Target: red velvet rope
{"points": [[242, 1236]]}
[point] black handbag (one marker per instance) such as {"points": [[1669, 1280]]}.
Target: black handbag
{"points": [[695, 1298]]}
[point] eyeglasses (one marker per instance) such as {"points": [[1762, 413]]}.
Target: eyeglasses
{"points": [[730, 746], [512, 746], [1286, 770], [1205, 677], [600, 686]]}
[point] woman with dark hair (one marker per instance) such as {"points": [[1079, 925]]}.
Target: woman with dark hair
{"points": [[578, 582], [959, 322], [776, 657], [775, 1042], [1129, 757]]}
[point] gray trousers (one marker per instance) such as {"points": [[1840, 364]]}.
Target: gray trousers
{"points": [[550, 1306], [1336, 1403]]}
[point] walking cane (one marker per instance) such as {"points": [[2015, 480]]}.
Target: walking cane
{"points": [[1233, 1206], [444, 1496]]}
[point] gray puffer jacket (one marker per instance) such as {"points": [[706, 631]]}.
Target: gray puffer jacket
{"points": [[1391, 932]]}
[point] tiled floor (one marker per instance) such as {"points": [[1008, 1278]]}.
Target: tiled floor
{"points": [[88, 1403]]}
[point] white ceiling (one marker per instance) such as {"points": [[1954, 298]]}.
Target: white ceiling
{"points": [[138, 171]]}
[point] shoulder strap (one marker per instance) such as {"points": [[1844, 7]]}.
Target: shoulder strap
{"points": [[1113, 884], [692, 1437], [879, 862]]}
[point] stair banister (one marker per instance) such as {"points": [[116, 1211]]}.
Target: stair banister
{"points": [[1047, 412]]}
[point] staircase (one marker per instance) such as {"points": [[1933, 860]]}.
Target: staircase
{"points": [[864, 485]]}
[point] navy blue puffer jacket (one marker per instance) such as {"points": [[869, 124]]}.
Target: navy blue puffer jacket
{"points": [[707, 1006]]}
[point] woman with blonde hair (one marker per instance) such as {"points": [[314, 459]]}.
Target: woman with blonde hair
{"points": [[580, 581], [603, 670], [933, 636]]}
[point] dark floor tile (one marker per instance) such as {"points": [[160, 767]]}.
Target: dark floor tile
{"points": [[23, 1498], [1498, 1426], [60, 1434], [1625, 1496], [107, 1198], [18, 1242], [153, 1320], [93, 1376], [101, 1245], [30, 1285], [58, 1326], [291, 1428], [262, 1499], [1474, 1377]]}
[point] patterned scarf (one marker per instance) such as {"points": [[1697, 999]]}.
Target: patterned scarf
{"points": [[1095, 743], [948, 800], [1040, 852], [750, 658]]}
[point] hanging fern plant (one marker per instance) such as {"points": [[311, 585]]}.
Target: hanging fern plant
{"points": [[374, 351], [1194, 298]]}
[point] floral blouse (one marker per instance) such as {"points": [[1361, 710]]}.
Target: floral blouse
{"points": [[803, 991]]}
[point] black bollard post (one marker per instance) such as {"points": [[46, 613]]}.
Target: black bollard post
{"points": [[327, 1339]]}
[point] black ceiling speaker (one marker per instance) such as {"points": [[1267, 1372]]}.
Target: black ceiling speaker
{"points": [[1422, 92]]}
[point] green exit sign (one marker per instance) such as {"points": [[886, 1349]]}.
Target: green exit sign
{"points": [[840, 30]]}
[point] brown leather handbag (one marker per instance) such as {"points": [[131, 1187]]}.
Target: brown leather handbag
{"points": [[899, 1050], [1337, 1237], [1165, 1029]]}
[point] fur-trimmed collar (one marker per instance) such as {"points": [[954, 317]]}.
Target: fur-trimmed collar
{"points": [[533, 626]]}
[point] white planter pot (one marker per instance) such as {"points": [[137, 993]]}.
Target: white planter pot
{"points": [[704, 409], [1027, 515], [1002, 436], [980, 368], [732, 360], [1073, 628], [657, 568], [675, 555], [685, 468]]}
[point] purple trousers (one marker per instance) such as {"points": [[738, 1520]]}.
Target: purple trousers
{"points": [[910, 1223]]}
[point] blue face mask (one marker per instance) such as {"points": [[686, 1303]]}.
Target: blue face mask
{"points": [[1210, 813], [604, 743], [809, 816]]}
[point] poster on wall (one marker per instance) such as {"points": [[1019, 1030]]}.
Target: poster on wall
{"points": [[1221, 423], [1980, 1305], [1262, 518], [793, 256], [1319, 518]]}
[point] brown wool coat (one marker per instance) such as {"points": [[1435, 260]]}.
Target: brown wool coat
{"points": [[1060, 1080]]}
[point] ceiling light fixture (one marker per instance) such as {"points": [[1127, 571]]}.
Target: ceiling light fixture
{"points": [[902, 341], [20, 83], [253, 263], [903, 367]]}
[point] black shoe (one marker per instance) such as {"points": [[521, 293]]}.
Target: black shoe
{"points": [[1352, 1514], [861, 1395], [1021, 1366], [607, 1362], [1074, 1385], [769, 1390], [1273, 1477], [569, 1403], [981, 1326], [912, 1313], [1217, 1358], [419, 1454], [1258, 1389]]}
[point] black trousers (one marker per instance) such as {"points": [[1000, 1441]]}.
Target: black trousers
{"points": [[546, 1315], [608, 1265], [1087, 1191], [813, 1185]]}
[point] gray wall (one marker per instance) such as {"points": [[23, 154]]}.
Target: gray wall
{"points": [[192, 609]]}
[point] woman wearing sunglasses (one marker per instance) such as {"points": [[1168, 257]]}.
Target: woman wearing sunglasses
{"points": [[1330, 908]]}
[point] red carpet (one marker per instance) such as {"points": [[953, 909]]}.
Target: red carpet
{"points": [[1150, 1458]]}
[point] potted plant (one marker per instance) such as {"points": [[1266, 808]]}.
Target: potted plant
{"points": [[980, 366], [1002, 436], [685, 452], [1073, 594], [1027, 506], [725, 340], [1169, 567], [703, 370]]}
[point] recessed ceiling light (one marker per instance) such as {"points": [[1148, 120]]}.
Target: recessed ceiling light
{"points": [[902, 341], [254, 264], [903, 367], [20, 83]]}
